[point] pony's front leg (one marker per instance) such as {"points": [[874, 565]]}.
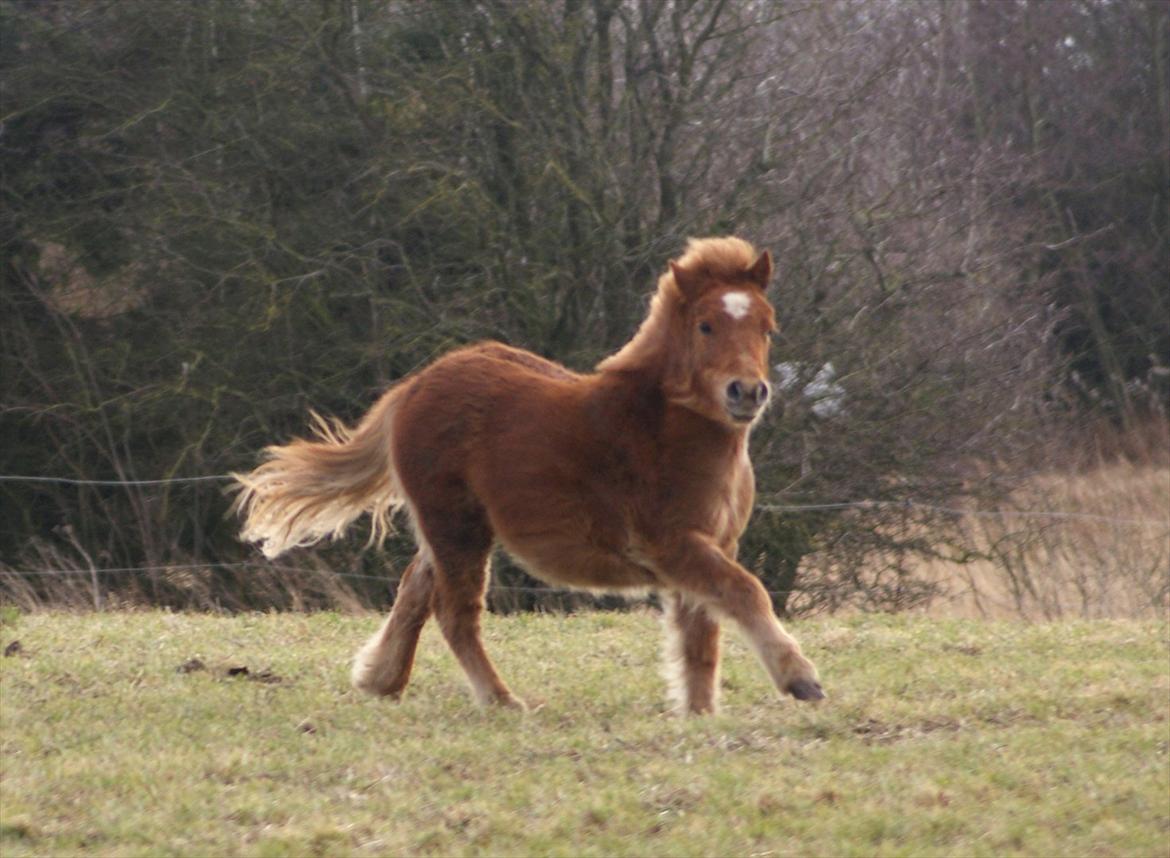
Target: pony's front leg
{"points": [[696, 566], [692, 654]]}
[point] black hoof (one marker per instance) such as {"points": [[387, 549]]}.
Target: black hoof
{"points": [[806, 689]]}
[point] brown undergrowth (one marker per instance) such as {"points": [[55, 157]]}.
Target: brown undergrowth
{"points": [[1087, 536]]}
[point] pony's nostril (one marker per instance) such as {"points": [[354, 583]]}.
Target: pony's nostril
{"points": [[735, 391], [762, 392]]}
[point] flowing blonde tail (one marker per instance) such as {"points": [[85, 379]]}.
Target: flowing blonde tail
{"points": [[308, 490]]}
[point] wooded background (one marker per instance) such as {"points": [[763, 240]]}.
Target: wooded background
{"points": [[219, 214]]}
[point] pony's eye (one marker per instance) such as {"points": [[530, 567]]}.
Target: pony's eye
{"points": [[704, 327]]}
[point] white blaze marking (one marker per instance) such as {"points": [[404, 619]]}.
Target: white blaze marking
{"points": [[737, 304]]}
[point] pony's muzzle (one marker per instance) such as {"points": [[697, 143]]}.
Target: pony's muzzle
{"points": [[744, 398]]}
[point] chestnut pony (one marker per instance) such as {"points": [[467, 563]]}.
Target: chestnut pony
{"points": [[634, 476]]}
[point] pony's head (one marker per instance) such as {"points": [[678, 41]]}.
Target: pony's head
{"points": [[708, 331], [724, 327]]}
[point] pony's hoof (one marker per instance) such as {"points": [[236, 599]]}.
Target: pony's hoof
{"points": [[805, 689], [509, 701]]}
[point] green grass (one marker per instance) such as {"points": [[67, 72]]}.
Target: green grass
{"points": [[939, 738]]}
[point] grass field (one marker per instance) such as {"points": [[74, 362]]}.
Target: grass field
{"points": [[940, 737]]}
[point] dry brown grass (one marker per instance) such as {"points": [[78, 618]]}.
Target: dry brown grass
{"points": [[59, 580], [1103, 552]]}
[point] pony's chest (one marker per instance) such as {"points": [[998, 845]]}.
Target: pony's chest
{"points": [[715, 499], [733, 505]]}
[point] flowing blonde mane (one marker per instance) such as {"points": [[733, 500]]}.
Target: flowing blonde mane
{"points": [[725, 259]]}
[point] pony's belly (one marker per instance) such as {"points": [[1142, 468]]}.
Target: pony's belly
{"points": [[574, 563]]}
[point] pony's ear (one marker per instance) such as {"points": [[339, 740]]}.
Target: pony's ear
{"points": [[689, 282], [761, 271]]}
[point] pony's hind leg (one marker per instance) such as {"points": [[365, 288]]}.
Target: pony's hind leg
{"points": [[692, 654], [458, 604], [383, 665]]}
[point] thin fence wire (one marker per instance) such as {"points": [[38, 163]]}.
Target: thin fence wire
{"points": [[69, 481], [950, 510], [765, 507], [184, 567], [208, 567]]}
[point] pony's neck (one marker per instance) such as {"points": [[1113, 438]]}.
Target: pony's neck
{"points": [[705, 436], [654, 351]]}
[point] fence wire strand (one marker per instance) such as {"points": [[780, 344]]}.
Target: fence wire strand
{"points": [[766, 507], [210, 567], [70, 481]]}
